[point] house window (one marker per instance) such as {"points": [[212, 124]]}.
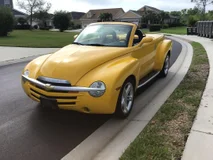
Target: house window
{"points": [[89, 15], [7, 2], [7, 5]]}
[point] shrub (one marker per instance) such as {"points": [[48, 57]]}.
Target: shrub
{"points": [[77, 26], [176, 24], [46, 28], [6, 21], [61, 20], [154, 27], [22, 21], [192, 20], [144, 25], [35, 26], [164, 26], [23, 27]]}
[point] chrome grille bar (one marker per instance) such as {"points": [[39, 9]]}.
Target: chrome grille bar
{"points": [[54, 81], [50, 87]]}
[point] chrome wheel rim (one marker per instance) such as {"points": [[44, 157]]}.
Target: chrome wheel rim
{"points": [[127, 98], [166, 65]]}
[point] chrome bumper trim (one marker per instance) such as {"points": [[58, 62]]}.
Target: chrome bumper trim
{"points": [[49, 87]]}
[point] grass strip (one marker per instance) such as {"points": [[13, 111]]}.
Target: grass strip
{"points": [[165, 136], [172, 30], [37, 39]]}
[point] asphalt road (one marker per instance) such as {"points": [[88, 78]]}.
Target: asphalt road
{"points": [[30, 132]]}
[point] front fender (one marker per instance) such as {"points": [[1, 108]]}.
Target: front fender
{"points": [[35, 65], [162, 50], [113, 74]]}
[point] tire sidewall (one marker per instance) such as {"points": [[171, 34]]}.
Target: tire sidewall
{"points": [[162, 73], [119, 112]]}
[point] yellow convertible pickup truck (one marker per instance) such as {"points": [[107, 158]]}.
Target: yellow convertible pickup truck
{"points": [[100, 71]]}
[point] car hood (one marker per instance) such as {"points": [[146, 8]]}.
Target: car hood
{"points": [[73, 62]]}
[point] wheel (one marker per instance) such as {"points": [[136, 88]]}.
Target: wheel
{"points": [[126, 99], [165, 70]]}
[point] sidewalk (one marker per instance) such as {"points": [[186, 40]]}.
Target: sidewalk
{"points": [[74, 30], [200, 142], [9, 54]]}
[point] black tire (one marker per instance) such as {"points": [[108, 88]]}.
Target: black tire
{"points": [[165, 70], [120, 113]]}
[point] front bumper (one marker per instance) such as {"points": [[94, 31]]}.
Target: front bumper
{"points": [[71, 98], [49, 87]]}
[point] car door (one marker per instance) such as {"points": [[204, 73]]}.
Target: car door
{"points": [[146, 56]]}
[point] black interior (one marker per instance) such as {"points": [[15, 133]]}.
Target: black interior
{"points": [[140, 37]]}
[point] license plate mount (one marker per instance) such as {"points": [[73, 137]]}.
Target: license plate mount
{"points": [[49, 103]]}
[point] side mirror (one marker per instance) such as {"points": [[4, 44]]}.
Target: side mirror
{"points": [[147, 40], [75, 36]]}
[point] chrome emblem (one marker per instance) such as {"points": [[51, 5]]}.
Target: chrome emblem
{"points": [[48, 87]]}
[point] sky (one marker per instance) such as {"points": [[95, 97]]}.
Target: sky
{"points": [[86, 5]]}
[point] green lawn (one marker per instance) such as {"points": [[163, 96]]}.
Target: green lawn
{"points": [[173, 30], [47, 39], [37, 39], [165, 136]]}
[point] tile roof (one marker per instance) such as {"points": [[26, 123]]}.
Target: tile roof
{"points": [[140, 13], [149, 8], [77, 15], [96, 13]]}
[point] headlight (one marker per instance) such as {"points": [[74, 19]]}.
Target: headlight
{"points": [[27, 73], [100, 85]]}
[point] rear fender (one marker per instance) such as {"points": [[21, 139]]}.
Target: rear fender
{"points": [[163, 49]]}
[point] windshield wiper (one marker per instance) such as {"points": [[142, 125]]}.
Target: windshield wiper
{"points": [[95, 44], [77, 43]]}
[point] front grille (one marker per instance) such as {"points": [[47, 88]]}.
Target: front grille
{"points": [[63, 99], [54, 82], [53, 97]]}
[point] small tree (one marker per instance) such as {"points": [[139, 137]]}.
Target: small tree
{"points": [[184, 16], [61, 20], [192, 20], [6, 21], [202, 4], [43, 16], [22, 21], [105, 17], [151, 18], [163, 16], [209, 15], [31, 6]]}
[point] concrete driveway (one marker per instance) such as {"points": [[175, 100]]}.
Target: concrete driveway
{"points": [[14, 53]]}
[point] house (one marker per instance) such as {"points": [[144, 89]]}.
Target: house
{"points": [[172, 20], [75, 17], [149, 8], [92, 16], [136, 16], [16, 13], [132, 17]]}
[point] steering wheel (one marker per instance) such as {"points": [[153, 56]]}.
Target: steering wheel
{"points": [[109, 32]]}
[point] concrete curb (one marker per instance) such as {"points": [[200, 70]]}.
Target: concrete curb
{"points": [[22, 60], [111, 139]]}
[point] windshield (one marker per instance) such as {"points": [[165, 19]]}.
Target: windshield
{"points": [[112, 35]]}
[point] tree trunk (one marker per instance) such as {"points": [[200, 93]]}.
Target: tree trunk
{"points": [[31, 19]]}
